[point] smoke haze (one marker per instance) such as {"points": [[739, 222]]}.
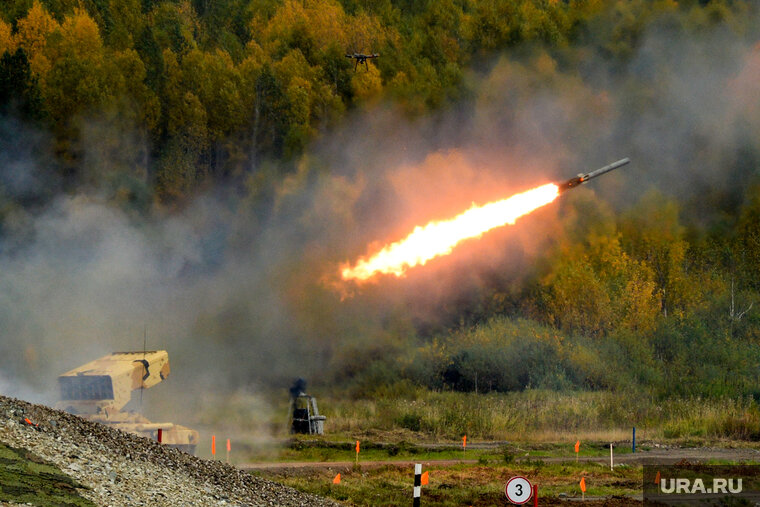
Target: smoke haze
{"points": [[239, 298]]}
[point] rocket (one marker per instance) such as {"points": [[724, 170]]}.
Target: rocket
{"points": [[583, 178]]}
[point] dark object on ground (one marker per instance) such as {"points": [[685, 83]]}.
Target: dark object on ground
{"points": [[304, 415]]}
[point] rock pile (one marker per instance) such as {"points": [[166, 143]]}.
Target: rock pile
{"points": [[121, 469]]}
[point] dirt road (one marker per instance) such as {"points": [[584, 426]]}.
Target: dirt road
{"points": [[657, 455]]}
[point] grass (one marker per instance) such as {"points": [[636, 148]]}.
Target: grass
{"points": [[257, 423], [508, 434], [464, 484], [305, 448], [546, 416], [27, 478]]}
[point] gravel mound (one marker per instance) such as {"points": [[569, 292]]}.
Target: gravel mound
{"points": [[123, 469]]}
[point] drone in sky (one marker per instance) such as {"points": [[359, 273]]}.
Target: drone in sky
{"points": [[361, 58]]}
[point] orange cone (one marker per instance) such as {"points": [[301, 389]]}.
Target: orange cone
{"points": [[336, 480]]}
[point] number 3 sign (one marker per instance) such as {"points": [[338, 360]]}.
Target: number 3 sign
{"points": [[518, 490]]}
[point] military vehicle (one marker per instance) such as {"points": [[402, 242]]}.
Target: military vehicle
{"points": [[100, 389]]}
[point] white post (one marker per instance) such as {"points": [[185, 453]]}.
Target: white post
{"points": [[417, 484], [611, 465]]}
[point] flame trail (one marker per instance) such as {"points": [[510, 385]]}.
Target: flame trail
{"points": [[440, 238]]}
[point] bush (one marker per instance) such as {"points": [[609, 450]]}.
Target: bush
{"points": [[507, 455], [410, 421]]}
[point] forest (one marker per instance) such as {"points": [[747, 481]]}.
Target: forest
{"points": [[234, 143]]}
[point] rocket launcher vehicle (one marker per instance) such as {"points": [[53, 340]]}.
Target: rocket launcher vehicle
{"points": [[583, 178], [100, 389]]}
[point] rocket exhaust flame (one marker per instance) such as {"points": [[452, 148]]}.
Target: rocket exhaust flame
{"points": [[440, 237]]}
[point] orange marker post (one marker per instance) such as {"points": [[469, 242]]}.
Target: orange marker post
{"points": [[228, 450], [424, 479], [583, 488], [213, 447], [657, 478], [577, 449], [357, 452], [464, 445], [336, 480]]}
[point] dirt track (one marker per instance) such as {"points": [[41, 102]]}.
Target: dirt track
{"points": [[673, 455], [660, 456]]}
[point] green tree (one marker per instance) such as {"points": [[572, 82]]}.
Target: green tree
{"points": [[180, 167], [19, 91], [127, 23]]}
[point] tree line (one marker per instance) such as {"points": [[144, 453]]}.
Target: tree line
{"points": [[186, 94], [154, 102]]}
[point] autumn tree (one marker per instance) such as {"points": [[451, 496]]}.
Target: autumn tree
{"points": [[32, 34], [7, 42], [653, 234]]}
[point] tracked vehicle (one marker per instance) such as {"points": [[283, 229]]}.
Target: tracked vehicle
{"points": [[100, 389]]}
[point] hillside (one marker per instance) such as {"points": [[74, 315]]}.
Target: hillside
{"points": [[110, 467]]}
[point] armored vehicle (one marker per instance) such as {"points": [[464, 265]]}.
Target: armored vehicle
{"points": [[100, 389]]}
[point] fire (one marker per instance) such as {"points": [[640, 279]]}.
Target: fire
{"points": [[440, 237]]}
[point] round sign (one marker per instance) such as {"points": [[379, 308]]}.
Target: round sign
{"points": [[518, 490]]}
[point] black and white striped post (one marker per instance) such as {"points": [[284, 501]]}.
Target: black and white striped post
{"points": [[417, 484]]}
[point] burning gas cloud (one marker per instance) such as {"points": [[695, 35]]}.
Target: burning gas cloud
{"points": [[440, 237]]}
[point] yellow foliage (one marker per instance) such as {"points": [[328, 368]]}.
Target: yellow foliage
{"points": [[366, 83], [255, 56], [597, 287], [293, 65], [322, 20], [7, 42], [299, 97], [81, 35], [32, 35], [365, 33], [214, 79]]}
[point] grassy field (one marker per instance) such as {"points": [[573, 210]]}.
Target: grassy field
{"points": [[528, 433], [463, 484], [380, 479], [418, 416]]}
